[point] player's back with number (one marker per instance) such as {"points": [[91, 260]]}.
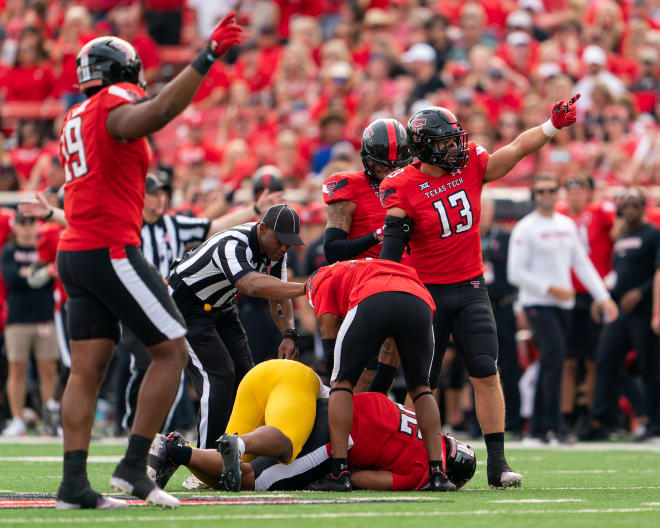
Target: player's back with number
{"points": [[105, 177], [445, 241]]}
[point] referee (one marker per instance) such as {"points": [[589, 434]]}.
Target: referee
{"points": [[164, 239], [250, 258]]}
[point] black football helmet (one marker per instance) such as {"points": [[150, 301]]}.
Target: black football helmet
{"points": [[384, 142], [105, 61], [267, 177], [426, 127], [461, 461]]}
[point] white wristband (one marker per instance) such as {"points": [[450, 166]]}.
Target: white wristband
{"points": [[549, 129]]}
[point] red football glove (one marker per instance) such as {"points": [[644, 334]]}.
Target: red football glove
{"points": [[564, 115], [225, 35]]}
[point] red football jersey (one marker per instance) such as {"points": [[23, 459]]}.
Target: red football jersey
{"points": [[104, 176], [337, 288], [445, 243], [47, 241], [386, 437], [594, 225], [369, 214]]}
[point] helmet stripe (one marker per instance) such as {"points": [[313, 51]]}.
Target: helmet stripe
{"points": [[449, 114], [391, 137]]}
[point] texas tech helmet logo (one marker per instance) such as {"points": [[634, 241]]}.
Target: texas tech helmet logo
{"points": [[418, 123], [368, 132]]}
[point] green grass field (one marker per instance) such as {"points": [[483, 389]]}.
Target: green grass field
{"points": [[598, 485]]}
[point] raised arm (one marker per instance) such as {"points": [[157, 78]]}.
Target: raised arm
{"points": [[506, 158], [132, 121]]}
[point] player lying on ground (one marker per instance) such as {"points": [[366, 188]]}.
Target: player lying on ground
{"points": [[387, 453]]}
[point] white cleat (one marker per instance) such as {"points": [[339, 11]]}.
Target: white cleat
{"points": [[161, 498], [103, 503], [156, 497], [511, 479], [193, 483]]}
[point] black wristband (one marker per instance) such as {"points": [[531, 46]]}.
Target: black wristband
{"points": [[204, 61], [291, 333], [50, 214], [256, 209]]}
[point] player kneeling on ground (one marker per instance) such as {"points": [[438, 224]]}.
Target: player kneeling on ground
{"points": [[376, 299]]}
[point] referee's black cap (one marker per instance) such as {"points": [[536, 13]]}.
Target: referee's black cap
{"points": [[159, 180], [286, 223]]}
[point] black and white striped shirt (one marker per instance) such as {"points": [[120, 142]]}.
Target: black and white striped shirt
{"points": [[213, 269], [165, 240]]}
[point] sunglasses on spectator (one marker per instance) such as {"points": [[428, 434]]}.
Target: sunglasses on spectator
{"points": [[26, 221], [550, 190], [575, 183]]}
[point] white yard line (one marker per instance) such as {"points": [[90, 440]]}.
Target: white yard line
{"points": [[440, 513], [533, 501], [101, 459]]}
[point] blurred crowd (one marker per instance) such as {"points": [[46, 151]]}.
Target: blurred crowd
{"points": [[299, 92]]}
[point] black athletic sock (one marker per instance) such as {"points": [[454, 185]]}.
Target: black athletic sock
{"points": [[74, 469], [495, 447], [136, 452], [180, 454], [382, 380], [338, 465]]}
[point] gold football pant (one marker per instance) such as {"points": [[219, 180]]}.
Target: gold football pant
{"points": [[279, 393]]}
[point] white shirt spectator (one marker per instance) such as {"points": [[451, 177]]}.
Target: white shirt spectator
{"points": [[542, 252]]}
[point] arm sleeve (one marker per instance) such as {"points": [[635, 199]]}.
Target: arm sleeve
{"points": [[337, 247], [393, 248], [520, 255], [232, 257], [585, 270]]}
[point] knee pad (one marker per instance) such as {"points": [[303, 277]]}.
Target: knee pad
{"points": [[482, 366]]}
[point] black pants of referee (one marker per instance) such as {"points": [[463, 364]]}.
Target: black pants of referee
{"points": [[134, 359], [629, 331], [219, 358], [550, 327]]}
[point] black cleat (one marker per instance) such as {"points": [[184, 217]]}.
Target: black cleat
{"points": [[438, 481], [501, 476], [160, 466], [341, 482], [231, 462]]}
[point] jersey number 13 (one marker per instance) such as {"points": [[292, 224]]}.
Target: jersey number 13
{"points": [[454, 200]]}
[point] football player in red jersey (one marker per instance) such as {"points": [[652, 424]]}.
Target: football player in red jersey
{"points": [[434, 206], [594, 221], [104, 151], [364, 302], [355, 215]]}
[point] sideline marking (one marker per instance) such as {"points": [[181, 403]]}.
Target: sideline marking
{"points": [[440, 513]]}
